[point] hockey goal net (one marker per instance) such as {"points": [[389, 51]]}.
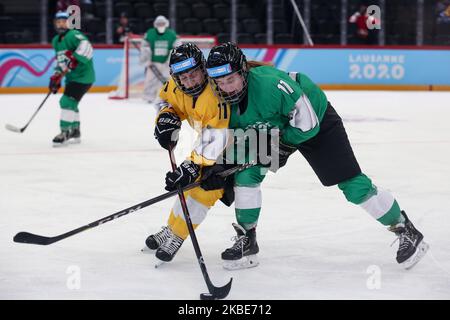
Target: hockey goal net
{"points": [[131, 79]]}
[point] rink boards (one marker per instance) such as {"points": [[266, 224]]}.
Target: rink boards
{"points": [[28, 68]]}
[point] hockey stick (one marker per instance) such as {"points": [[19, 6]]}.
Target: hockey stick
{"points": [[20, 130], [214, 292], [152, 67], [30, 238], [157, 73]]}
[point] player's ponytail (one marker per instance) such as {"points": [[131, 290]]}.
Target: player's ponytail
{"points": [[254, 64]]}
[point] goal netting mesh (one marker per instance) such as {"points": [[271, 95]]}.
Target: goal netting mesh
{"points": [[131, 80]]}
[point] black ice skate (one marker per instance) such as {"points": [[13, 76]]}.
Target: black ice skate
{"points": [[169, 248], [61, 139], [154, 241], [412, 248], [243, 253], [75, 135]]}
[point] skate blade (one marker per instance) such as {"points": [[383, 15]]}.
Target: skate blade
{"points": [[159, 263], [250, 261], [421, 250], [74, 140], [147, 250], [60, 145]]}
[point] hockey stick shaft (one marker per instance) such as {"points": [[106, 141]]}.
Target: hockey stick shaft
{"points": [[216, 292], [12, 128], [157, 73], [152, 67], [34, 114], [30, 238], [39, 108], [26, 237]]}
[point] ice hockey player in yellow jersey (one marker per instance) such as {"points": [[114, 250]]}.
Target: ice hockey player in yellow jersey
{"points": [[187, 96]]}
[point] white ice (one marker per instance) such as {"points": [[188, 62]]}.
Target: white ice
{"points": [[313, 243]]}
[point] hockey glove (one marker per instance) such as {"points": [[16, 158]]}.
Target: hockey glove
{"points": [[185, 174], [72, 64], [167, 129], [55, 82], [283, 152], [210, 179]]}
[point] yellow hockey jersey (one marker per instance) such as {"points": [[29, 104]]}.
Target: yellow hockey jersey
{"points": [[205, 114]]}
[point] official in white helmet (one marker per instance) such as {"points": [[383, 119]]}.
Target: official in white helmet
{"points": [[155, 51]]}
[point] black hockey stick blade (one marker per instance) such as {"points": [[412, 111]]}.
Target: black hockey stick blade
{"points": [[216, 293], [13, 128], [26, 237]]}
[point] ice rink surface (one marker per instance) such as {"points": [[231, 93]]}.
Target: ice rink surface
{"points": [[313, 244]]}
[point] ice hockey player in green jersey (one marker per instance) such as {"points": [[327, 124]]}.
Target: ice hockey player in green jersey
{"points": [[74, 61], [266, 98], [156, 46]]}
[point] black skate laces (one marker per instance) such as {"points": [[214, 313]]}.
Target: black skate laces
{"points": [[172, 244], [240, 240], [240, 243], [162, 235], [63, 134], [403, 236]]}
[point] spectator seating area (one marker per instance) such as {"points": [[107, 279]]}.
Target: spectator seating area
{"points": [[21, 23]]}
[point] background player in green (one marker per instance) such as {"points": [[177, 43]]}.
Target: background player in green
{"points": [[155, 50], [74, 61], [264, 98]]}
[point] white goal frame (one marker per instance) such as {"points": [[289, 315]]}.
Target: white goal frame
{"points": [[130, 83]]}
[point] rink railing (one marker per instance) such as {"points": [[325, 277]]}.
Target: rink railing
{"points": [[27, 68]]}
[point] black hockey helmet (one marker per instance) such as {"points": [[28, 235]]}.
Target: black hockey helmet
{"points": [[223, 60], [185, 58]]}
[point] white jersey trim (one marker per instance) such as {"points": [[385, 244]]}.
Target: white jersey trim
{"points": [[247, 197], [379, 204], [69, 115], [303, 116], [85, 49], [197, 210]]}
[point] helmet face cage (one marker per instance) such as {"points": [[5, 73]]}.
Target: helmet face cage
{"points": [[224, 60], [187, 58], [161, 24], [233, 97], [194, 91]]}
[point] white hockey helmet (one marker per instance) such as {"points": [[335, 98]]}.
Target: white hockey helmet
{"points": [[161, 24]]}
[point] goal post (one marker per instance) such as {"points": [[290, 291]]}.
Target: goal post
{"points": [[132, 75]]}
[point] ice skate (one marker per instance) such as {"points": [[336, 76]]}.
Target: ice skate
{"points": [[169, 248], [154, 241], [243, 253], [412, 248], [61, 139], [74, 136]]}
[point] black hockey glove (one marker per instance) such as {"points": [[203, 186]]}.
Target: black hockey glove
{"points": [[283, 152], [167, 129], [210, 179], [55, 82], [185, 174]]}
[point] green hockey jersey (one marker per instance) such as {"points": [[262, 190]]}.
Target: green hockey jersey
{"points": [[291, 103], [75, 41], [160, 44]]}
